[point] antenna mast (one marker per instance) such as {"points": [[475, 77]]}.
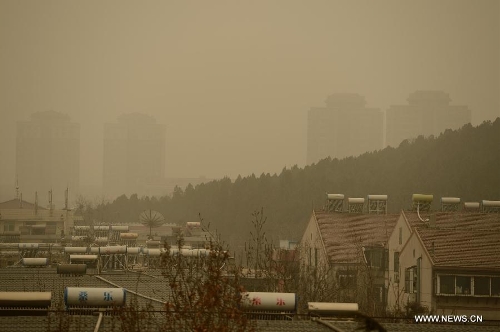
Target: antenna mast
{"points": [[66, 194], [17, 187]]}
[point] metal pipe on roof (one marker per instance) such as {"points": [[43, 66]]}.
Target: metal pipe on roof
{"points": [[98, 324]]}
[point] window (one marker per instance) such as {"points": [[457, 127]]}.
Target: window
{"points": [[447, 284], [411, 280], [9, 226], [481, 286], [463, 285], [396, 266], [495, 286], [400, 235], [315, 256], [468, 285], [374, 257]]}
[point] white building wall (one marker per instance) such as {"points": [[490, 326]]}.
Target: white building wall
{"points": [[398, 238], [408, 258], [312, 250]]}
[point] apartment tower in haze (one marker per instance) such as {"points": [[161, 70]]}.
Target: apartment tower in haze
{"points": [[134, 155], [345, 127], [48, 156], [427, 113]]}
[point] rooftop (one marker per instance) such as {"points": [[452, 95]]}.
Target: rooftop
{"points": [[344, 233]]}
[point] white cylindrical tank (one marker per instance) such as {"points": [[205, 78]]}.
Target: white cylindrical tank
{"points": [[325, 308], [491, 203], [94, 297], [187, 252], [335, 196], [262, 301], [82, 258], [94, 250], [353, 200], [82, 228], [422, 198], [134, 250], [201, 252], [471, 205], [377, 197], [79, 269], [28, 245], [101, 240], [153, 252], [129, 236], [35, 261], [120, 228], [112, 250], [25, 299], [75, 250], [101, 228], [193, 224], [450, 200], [78, 238], [153, 244]]}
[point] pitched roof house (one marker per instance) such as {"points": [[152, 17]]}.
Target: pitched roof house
{"points": [[350, 246], [448, 262]]}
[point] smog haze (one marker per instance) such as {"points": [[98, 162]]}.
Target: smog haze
{"points": [[232, 81]]}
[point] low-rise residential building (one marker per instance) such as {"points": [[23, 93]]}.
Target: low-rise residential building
{"points": [[447, 262], [25, 222], [352, 248]]}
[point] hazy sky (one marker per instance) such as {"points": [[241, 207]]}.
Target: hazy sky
{"points": [[233, 80]]}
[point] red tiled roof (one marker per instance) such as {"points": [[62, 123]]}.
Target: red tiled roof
{"points": [[462, 248], [344, 233]]}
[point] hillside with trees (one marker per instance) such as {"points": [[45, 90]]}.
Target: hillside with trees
{"points": [[463, 163]]}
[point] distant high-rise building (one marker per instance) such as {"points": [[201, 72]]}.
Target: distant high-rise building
{"points": [[345, 127], [428, 113], [48, 155], [134, 155]]}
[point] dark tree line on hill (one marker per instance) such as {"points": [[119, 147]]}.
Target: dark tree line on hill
{"points": [[464, 163]]}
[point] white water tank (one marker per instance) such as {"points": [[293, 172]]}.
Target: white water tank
{"points": [[129, 236], [82, 228], [422, 198], [328, 308], [335, 196], [491, 203], [450, 200], [112, 250], [28, 245], [82, 258], [471, 205], [377, 197], [263, 301], [25, 299], [94, 297], [153, 252], [120, 228], [39, 261], [75, 250], [134, 250]]}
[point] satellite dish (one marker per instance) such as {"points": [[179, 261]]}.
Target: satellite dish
{"points": [[151, 219]]}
